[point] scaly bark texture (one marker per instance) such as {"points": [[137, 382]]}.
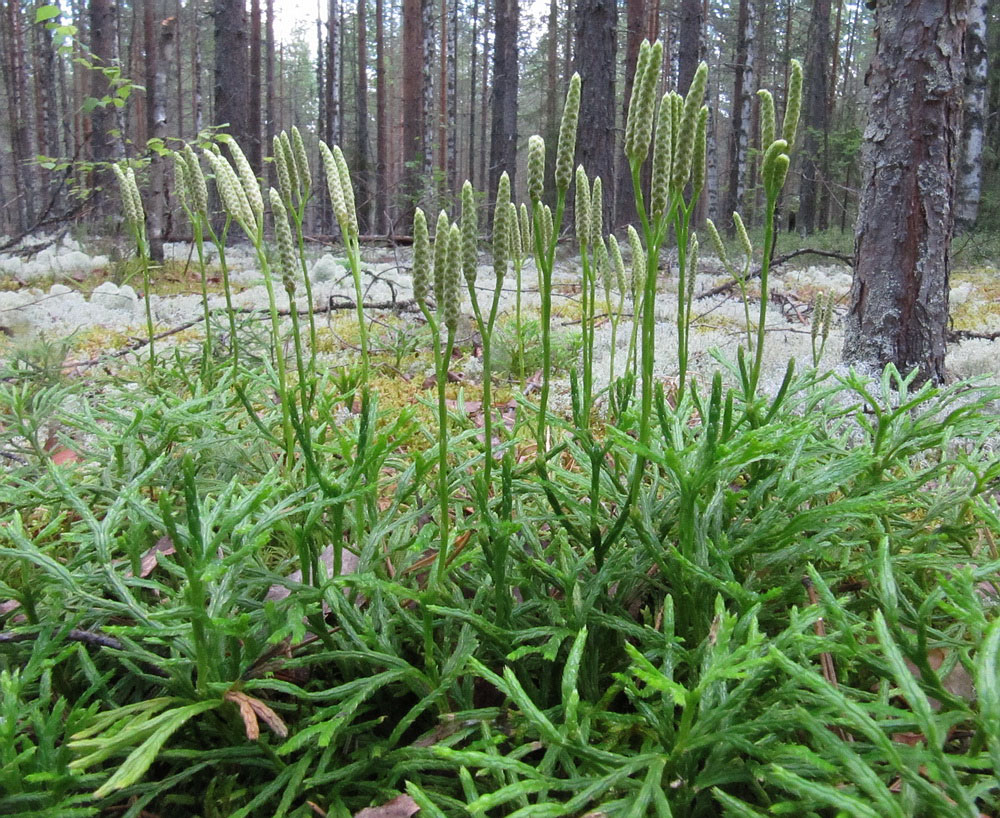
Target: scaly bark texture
{"points": [[815, 115], [157, 209], [743, 90], [503, 141], [596, 59], [232, 69], [413, 108], [362, 174], [899, 299], [970, 174]]}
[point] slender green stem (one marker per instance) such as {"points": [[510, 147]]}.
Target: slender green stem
{"points": [[545, 258], [279, 357], [765, 268]]}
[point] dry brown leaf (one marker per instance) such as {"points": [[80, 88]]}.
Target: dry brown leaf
{"points": [[402, 806], [149, 560], [242, 701], [252, 708]]}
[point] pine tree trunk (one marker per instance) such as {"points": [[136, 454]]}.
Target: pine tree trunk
{"points": [[689, 52], [428, 13], [473, 65], [232, 70], [103, 145], [269, 110], [442, 115], [815, 115], [899, 299], [332, 134], [255, 150], [484, 98], [413, 107], [596, 49], [361, 169], [503, 139], [158, 184], [197, 98], [19, 115], [452, 144], [381, 137], [970, 174], [739, 138]]}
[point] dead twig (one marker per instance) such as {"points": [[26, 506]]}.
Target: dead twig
{"points": [[729, 286]]}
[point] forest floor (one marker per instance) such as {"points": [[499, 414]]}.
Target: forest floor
{"points": [[93, 308]]}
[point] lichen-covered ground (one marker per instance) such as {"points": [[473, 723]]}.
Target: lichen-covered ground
{"points": [[91, 306]]}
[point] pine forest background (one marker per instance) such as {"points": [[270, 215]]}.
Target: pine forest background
{"points": [[422, 94]]}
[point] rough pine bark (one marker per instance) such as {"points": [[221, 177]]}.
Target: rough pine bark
{"points": [[899, 298], [197, 99], [103, 144], [381, 135], [19, 117], [413, 106], [815, 119], [232, 69], [428, 11], [970, 174], [690, 36], [158, 183], [596, 62], [743, 90], [503, 138], [452, 139], [362, 173], [473, 65], [332, 101], [255, 148]]}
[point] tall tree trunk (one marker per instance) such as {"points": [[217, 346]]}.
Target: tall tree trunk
{"points": [[361, 170], [149, 54], [255, 149], [46, 97], [232, 70], [103, 144], [197, 98], [427, 102], [816, 123], [442, 117], [689, 51], [503, 138], [452, 143], [743, 90], [381, 126], [269, 112], [473, 65], [413, 106], [333, 117], [484, 98], [158, 184], [19, 114], [970, 174], [179, 72], [899, 299], [596, 50]]}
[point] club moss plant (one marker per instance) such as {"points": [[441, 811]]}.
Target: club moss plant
{"points": [[250, 590]]}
